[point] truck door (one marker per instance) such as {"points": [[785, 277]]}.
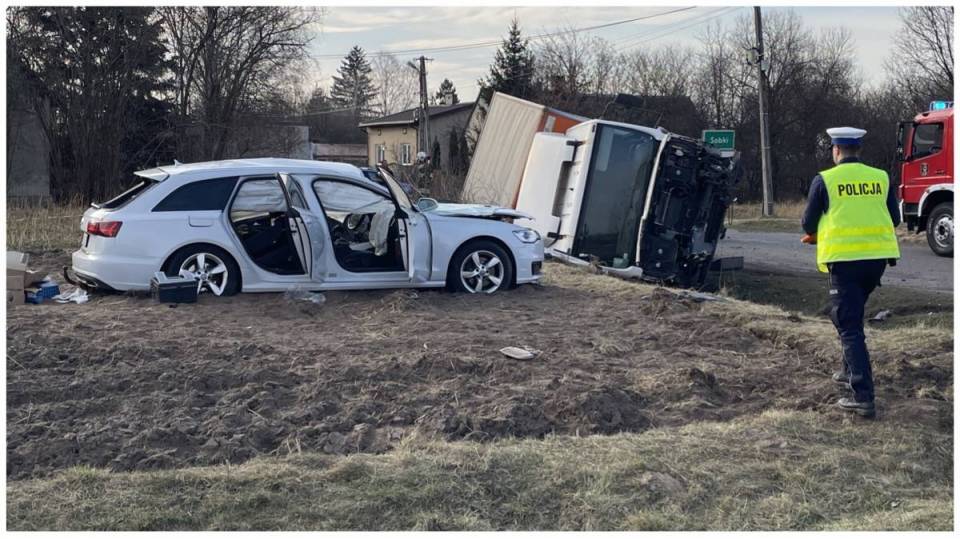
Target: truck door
{"points": [[927, 162]]}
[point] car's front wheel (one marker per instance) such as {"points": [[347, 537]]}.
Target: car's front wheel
{"points": [[480, 267], [213, 268]]}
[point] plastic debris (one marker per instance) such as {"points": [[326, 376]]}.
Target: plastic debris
{"points": [[77, 295], [881, 316], [523, 354]]}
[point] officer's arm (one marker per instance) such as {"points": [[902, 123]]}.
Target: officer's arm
{"points": [[893, 207], [816, 205]]}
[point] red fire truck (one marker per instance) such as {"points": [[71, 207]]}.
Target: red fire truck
{"points": [[925, 152]]}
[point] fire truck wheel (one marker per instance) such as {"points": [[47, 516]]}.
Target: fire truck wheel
{"points": [[940, 229]]}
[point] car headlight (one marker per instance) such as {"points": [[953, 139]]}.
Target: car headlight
{"points": [[527, 235]]}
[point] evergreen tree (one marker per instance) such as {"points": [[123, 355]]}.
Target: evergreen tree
{"points": [[446, 87], [102, 72], [353, 86], [512, 69]]}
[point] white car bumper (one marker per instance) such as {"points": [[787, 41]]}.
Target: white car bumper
{"points": [[529, 261], [115, 272]]}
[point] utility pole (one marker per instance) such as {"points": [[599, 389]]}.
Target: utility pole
{"points": [[764, 118], [423, 123]]}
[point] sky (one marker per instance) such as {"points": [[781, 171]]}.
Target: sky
{"points": [[398, 28]]}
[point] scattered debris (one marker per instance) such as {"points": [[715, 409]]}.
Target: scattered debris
{"points": [[699, 297], [20, 278], [44, 290], [77, 295], [523, 354], [881, 316]]}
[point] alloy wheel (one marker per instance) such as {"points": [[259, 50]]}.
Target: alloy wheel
{"points": [[208, 270], [481, 272]]}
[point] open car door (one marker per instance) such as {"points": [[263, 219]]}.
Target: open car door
{"points": [[406, 220], [308, 230]]}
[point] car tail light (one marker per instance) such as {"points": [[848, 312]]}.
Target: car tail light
{"points": [[108, 229]]}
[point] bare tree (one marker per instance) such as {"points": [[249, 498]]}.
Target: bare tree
{"points": [[397, 84], [226, 58], [563, 64], [663, 71], [719, 83], [608, 71], [922, 61]]}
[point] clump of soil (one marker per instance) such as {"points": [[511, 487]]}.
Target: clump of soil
{"points": [[125, 383]]}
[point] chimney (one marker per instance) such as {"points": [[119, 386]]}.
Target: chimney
{"points": [[447, 98]]}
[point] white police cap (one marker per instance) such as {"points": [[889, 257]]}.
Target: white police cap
{"points": [[846, 135]]}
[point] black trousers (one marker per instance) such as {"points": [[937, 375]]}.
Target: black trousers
{"points": [[850, 285]]}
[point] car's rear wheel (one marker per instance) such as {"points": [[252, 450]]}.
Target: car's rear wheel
{"points": [[940, 229], [480, 267], [213, 268]]}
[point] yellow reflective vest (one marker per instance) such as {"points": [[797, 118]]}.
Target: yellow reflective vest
{"points": [[857, 224]]}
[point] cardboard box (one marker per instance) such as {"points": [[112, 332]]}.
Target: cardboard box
{"points": [[17, 261], [19, 276], [18, 280]]}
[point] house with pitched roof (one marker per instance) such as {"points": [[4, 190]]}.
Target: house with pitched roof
{"points": [[393, 138]]}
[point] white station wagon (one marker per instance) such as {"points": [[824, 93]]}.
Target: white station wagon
{"points": [[266, 225]]}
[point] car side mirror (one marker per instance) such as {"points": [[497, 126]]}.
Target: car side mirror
{"points": [[427, 204]]}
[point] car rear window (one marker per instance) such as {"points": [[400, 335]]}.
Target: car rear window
{"points": [[125, 197], [204, 195]]}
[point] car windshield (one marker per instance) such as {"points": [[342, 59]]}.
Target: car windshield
{"points": [[406, 194]]}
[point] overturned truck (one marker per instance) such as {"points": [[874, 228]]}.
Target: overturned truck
{"points": [[637, 201]]}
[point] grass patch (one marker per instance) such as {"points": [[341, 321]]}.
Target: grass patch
{"points": [[38, 228], [776, 471]]}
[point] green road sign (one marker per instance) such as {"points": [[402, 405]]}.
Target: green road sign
{"points": [[721, 139]]}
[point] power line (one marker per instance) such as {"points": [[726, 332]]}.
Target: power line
{"points": [[490, 43], [693, 21]]}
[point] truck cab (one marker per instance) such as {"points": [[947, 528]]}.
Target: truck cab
{"points": [[925, 154], [636, 201]]}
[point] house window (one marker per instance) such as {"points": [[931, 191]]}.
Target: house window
{"points": [[381, 153], [406, 155]]}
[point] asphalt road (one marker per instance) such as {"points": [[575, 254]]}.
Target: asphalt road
{"points": [[918, 267]]}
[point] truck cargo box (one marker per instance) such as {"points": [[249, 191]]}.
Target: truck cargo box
{"points": [[503, 146]]}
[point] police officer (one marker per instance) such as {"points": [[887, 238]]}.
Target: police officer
{"points": [[851, 214]]}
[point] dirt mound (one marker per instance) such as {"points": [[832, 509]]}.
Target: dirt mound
{"points": [[125, 383]]}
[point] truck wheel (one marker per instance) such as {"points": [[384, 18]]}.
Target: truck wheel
{"points": [[940, 229]]}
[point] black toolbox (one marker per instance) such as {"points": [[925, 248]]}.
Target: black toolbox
{"points": [[179, 289]]}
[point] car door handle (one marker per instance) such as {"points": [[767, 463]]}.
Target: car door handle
{"points": [[199, 221]]}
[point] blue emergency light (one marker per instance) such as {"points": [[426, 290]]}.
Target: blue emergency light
{"points": [[941, 105]]}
